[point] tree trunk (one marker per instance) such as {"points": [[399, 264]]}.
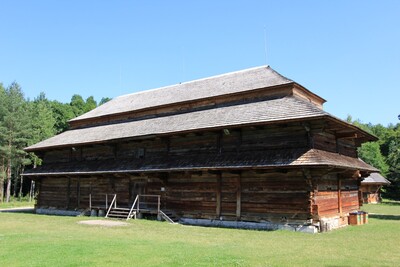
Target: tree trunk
{"points": [[32, 191], [2, 171], [8, 190], [21, 182], [15, 189]]}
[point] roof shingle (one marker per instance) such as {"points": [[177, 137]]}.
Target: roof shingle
{"points": [[230, 83], [275, 110], [247, 160], [375, 178]]}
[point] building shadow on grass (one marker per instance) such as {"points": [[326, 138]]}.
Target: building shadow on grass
{"points": [[391, 203], [18, 210], [385, 217]]}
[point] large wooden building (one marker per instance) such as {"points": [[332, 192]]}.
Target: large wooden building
{"points": [[248, 149]]}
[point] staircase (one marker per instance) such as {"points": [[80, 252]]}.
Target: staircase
{"points": [[121, 213], [126, 213]]}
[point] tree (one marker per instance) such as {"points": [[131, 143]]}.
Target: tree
{"points": [[62, 113], [104, 100], [2, 145], [78, 105], [90, 104], [42, 126], [393, 160], [24, 123], [370, 152], [13, 131], [42, 119]]}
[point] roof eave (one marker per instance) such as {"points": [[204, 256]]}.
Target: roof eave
{"points": [[237, 167]]}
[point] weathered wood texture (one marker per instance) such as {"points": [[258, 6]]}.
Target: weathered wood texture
{"points": [[371, 193], [275, 196], [331, 200], [231, 141], [251, 96], [250, 196], [53, 192], [328, 142], [280, 195]]}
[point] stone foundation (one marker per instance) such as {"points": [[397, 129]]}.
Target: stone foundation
{"points": [[59, 212], [268, 226], [329, 224]]}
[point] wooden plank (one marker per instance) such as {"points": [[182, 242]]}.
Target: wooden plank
{"points": [[339, 181], [218, 193], [78, 193], [69, 193], [238, 197]]}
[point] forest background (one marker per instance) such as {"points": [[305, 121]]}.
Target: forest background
{"points": [[24, 122]]}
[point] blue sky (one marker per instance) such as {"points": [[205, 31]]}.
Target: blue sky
{"points": [[348, 52]]}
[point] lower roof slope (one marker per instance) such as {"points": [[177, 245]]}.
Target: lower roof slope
{"points": [[305, 158]]}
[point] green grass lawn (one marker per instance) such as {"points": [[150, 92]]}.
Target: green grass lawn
{"points": [[15, 203], [39, 240], [388, 207]]}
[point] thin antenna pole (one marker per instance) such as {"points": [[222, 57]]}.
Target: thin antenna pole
{"points": [[265, 45]]}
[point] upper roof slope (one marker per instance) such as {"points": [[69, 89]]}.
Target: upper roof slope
{"points": [[225, 84]]}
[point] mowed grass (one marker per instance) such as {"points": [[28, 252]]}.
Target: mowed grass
{"points": [[39, 240], [15, 203], [388, 207]]}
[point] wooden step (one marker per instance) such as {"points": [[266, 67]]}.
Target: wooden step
{"points": [[117, 216], [120, 213], [121, 209]]}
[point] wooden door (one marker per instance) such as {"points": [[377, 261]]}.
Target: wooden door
{"points": [[137, 187], [230, 196]]}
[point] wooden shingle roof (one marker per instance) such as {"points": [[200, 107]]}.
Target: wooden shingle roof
{"points": [[247, 160], [226, 84], [283, 109], [375, 178]]}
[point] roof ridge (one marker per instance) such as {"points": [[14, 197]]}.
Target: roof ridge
{"points": [[207, 78], [218, 85]]}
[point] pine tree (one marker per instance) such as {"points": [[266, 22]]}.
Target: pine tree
{"points": [[2, 144], [14, 129]]}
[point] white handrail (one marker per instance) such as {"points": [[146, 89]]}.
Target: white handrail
{"points": [[111, 205], [166, 217], [133, 205]]}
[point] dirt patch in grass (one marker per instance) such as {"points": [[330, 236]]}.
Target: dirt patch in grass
{"points": [[105, 223]]}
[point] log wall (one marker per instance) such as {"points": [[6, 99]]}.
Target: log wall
{"points": [[328, 142], [279, 195], [371, 193], [335, 195], [216, 142], [248, 196]]}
